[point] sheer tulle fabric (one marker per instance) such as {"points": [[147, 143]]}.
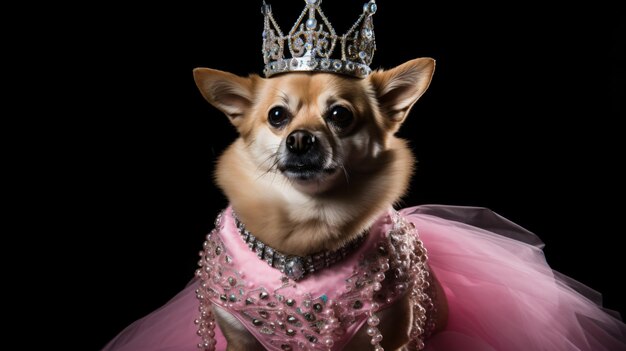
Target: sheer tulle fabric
{"points": [[502, 295], [170, 328]]}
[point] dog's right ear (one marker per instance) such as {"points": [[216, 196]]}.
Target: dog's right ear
{"points": [[229, 93]]}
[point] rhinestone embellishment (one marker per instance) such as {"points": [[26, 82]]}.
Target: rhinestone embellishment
{"points": [[295, 267], [312, 41], [290, 320]]}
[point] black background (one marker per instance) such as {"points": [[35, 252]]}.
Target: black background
{"points": [[521, 117]]}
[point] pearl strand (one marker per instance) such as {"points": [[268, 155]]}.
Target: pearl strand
{"points": [[373, 320], [423, 307], [206, 321]]}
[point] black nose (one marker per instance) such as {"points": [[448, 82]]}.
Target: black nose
{"points": [[300, 141]]}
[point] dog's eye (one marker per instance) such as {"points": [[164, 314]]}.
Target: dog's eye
{"points": [[278, 116], [340, 117]]}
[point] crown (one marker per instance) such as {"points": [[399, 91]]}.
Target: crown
{"points": [[312, 41]]}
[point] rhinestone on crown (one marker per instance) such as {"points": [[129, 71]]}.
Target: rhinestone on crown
{"points": [[313, 45]]}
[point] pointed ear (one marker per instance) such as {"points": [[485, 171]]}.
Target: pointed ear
{"points": [[229, 93], [399, 88]]}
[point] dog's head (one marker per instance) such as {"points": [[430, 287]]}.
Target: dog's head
{"points": [[317, 131]]}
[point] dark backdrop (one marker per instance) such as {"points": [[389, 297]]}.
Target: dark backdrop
{"points": [[521, 117]]}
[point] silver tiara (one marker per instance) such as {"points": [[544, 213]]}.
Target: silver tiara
{"points": [[312, 41]]}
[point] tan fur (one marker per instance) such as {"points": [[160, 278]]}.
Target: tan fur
{"points": [[301, 218]]}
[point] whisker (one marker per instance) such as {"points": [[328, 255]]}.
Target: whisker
{"points": [[345, 173], [270, 161], [271, 169]]}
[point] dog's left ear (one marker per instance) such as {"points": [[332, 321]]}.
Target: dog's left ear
{"points": [[399, 88]]}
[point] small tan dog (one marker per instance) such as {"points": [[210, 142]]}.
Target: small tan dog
{"points": [[315, 164]]}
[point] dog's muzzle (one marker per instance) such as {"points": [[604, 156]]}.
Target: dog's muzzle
{"points": [[304, 156]]}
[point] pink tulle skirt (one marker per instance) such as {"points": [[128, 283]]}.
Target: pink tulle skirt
{"points": [[502, 295]]}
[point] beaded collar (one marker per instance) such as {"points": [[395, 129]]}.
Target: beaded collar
{"points": [[294, 267], [324, 309]]}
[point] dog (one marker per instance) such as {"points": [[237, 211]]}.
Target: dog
{"points": [[315, 164]]}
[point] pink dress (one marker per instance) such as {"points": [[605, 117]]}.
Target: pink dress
{"points": [[502, 295]]}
